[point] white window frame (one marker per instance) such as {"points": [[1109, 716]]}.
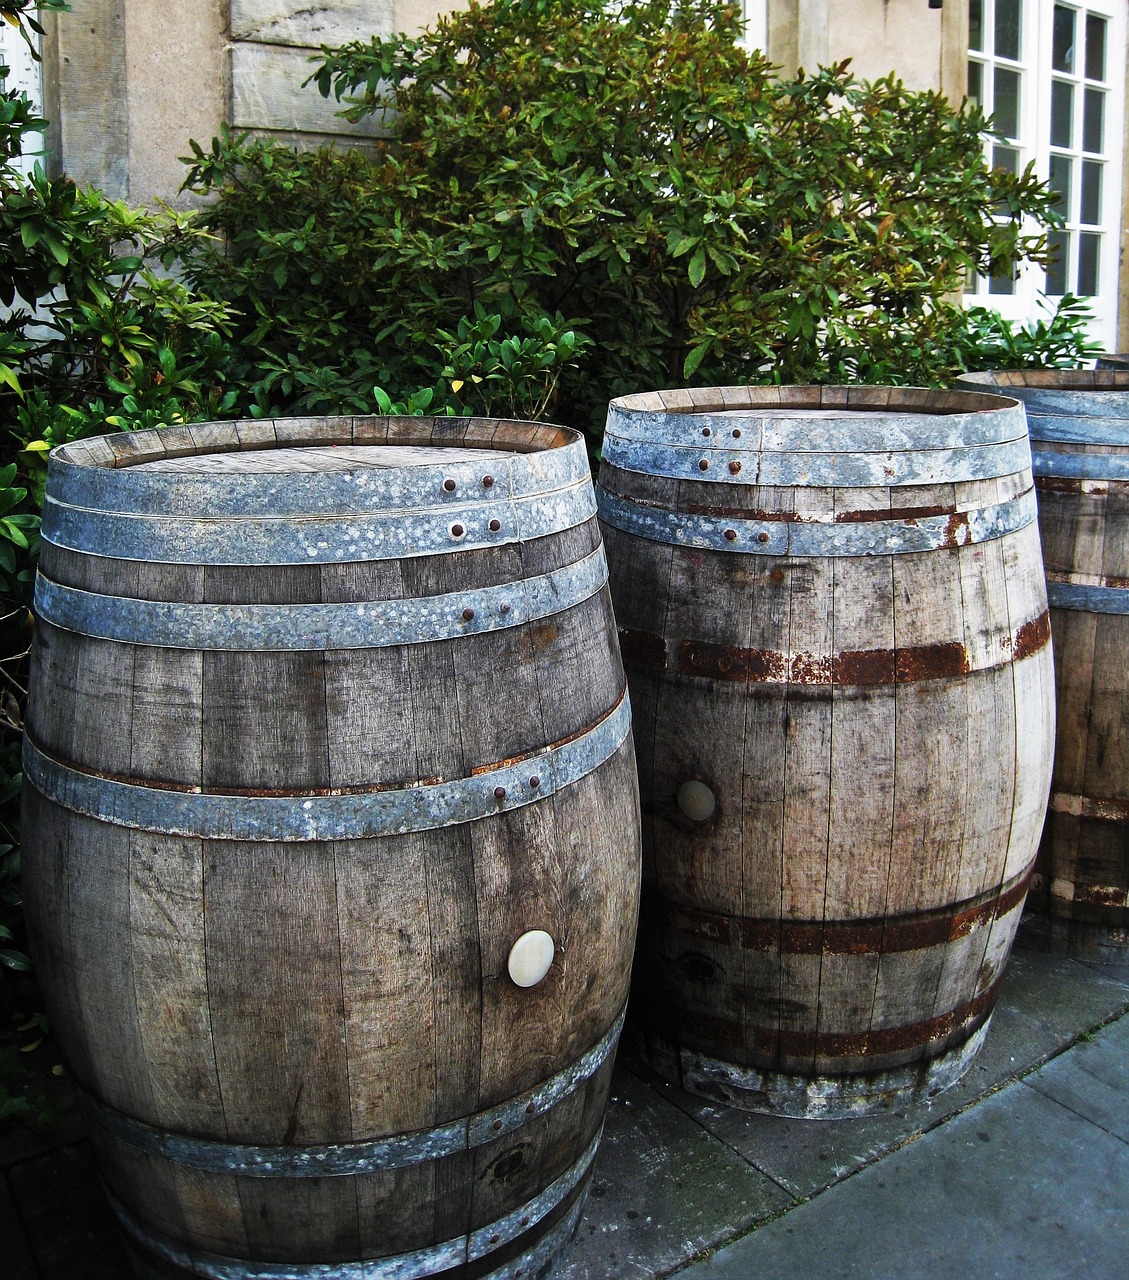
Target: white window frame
{"points": [[756, 24], [26, 74], [1028, 302]]}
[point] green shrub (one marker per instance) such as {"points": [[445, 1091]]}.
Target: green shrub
{"points": [[628, 167]]}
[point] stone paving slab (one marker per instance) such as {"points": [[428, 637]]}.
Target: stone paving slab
{"points": [[1044, 1002], [663, 1189], [1092, 1080], [1018, 1187]]}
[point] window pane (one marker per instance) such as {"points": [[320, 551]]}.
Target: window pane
{"points": [[976, 24], [1062, 39], [1059, 244], [1088, 247], [1091, 192], [1005, 115], [976, 82], [1093, 114], [1001, 284], [1005, 158], [1062, 114], [1007, 28], [1061, 180], [1095, 47]]}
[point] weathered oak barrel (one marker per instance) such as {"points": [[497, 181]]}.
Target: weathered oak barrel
{"points": [[1079, 425], [331, 839], [834, 624]]}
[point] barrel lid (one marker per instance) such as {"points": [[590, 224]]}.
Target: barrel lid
{"points": [[304, 490]]}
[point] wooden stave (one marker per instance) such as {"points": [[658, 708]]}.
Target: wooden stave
{"points": [[640, 578], [608, 898], [1079, 423]]}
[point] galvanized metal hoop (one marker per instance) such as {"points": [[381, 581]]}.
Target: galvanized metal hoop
{"points": [[348, 1159], [353, 815]]}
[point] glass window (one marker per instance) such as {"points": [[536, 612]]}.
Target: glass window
{"points": [[1095, 47], [1093, 113], [976, 25], [1062, 39], [1089, 253], [1058, 242], [1005, 93], [1091, 211], [1062, 114], [1061, 181], [976, 82], [1008, 14]]}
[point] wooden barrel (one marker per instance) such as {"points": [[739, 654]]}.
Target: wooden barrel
{"points": [[331, 839], [1079, 424], [834, 623]]}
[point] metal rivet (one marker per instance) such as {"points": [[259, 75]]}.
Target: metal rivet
{"points": [[457, 531], [734, 467], [494, 1239], [696, 800], [706, 431], [505, 608], [762, 536], [496, 1125], [487, 482], [530, 1108], [468, 614], [535, 782], [524, 1223], [736, 433], [704, 465], [495, 525], [731, 535], [449, 485], [531, 957], [499, 793]]}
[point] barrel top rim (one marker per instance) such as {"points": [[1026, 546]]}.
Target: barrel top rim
{"points": [[126, 450], [1113, 381], [895, 402]]}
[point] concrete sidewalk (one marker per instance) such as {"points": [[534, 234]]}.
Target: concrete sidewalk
{"points": [[1021, 1170]]}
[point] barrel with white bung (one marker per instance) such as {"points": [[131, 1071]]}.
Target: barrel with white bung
{"points": [[834, 624], [1079, 425], [331, 831]]}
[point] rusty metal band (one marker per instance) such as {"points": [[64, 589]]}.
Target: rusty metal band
{"points": [[1071, 595], [355, 814], [1080, 466], [852, 667], [771, 1042], [313, 538], [767, 537], [285, 628], [1098, 808], [433, 1260], [347, 1159], [913, 932]]}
